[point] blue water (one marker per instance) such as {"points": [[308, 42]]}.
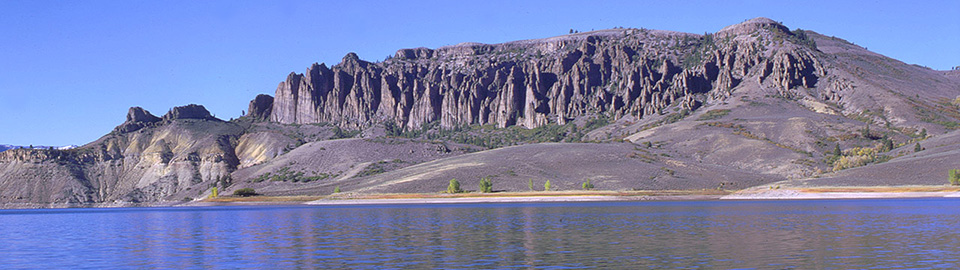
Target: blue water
{"points": [[823, 234]]}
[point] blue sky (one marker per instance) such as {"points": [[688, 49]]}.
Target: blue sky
{"points": [[69, 70]]}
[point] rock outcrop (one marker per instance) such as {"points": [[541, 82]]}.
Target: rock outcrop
{"points": [[137, 118], [192, 111], [622, 72], [137, 114], [146, 159], [260, 107]]}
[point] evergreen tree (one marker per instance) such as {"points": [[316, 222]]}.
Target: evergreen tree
{"points": [[836, 150], [546, 186], [917, 148]]}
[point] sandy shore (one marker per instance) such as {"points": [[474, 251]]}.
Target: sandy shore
{"points": [[474, 200], [772, 195], [525, 197], [844, 193]]}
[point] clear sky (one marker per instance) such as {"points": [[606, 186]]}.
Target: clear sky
{"points": [[69, 70]]}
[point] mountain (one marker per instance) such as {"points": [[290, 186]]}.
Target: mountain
{"points": [[621, 72], [753, 104], [5, 147]]}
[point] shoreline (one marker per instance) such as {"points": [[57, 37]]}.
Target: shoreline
{"points": [[788, 193], [814, 193], [467, 200]]}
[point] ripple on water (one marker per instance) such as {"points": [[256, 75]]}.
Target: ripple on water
{"points": [[907, 233]]}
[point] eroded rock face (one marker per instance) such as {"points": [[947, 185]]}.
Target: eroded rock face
{"points": [[137, 114], [192, 111], [161, 160], [624, 72], [137, 118], [260, 107]]}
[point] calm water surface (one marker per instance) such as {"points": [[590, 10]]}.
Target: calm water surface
{"points": [[827, 234]]}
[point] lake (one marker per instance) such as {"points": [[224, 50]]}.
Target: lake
{"points": [[804, 234]]}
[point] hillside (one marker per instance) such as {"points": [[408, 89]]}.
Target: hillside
{"points": [[630, 109]]}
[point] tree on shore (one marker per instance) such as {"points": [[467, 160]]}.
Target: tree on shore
{"points": [[486, 186], [954, 177], [587, 185], [245, 192], [454, 186], [546, 186]]}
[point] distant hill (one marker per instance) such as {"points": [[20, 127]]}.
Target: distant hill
{"points": [[4, 147], [752, 104]]}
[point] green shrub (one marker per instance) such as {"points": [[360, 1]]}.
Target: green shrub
{"points": [[486, 186], [857, 157], [954, 177], [372, 169], [245, 192], [587, 185], [917, 148], [454, 186], [530, 184], [285, 174], [340, 133], [886, 144], [336, 189], [713, 114], [546, 186]]}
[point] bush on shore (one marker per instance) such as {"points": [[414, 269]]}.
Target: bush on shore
{"points": [[245, 192]]}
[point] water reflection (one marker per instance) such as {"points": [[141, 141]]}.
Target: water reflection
{"points": [[787, 234]]}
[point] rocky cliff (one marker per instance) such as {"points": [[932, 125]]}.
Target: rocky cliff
{"points": [[622, 72], [260, 107], [750, 104], [146, 158]]}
